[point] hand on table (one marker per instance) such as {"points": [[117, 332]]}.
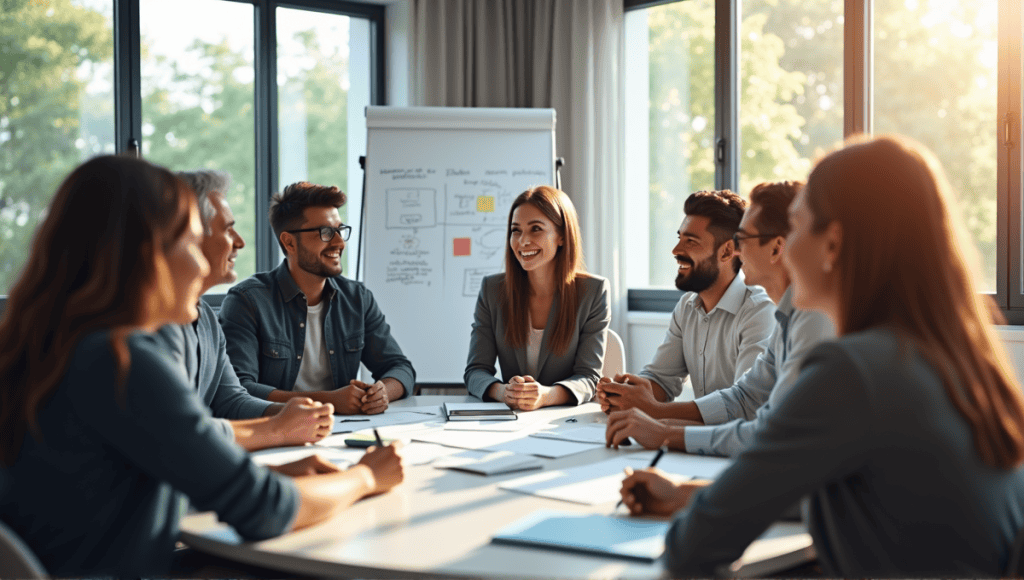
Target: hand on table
{"points": [[634, 423], [376, 398], [626, 391], [385, 465], [525, 393], [302, 420], [312, 465], [347, 400], [653, 492]]}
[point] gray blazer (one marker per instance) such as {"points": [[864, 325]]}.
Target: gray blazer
{"points": [[578, 370]]}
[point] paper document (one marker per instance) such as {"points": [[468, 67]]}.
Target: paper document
{"points": [[592, 484], [516, 442], [489, 463], [630, 538], [583, 434], [494, 426], [342, 457], [349, 423]]}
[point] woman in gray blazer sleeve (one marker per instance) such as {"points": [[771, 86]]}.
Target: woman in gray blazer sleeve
{"points": [[545, 318]]}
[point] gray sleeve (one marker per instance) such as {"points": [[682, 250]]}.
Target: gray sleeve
{"points": [[230, 400], [158, 423], [742, 400], [756, 325], [483, 349], [238, 320], [590, 351], [668, 367], [818, 433]]}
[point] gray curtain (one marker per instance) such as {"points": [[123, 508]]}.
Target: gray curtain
{"points": [[562, 54]]}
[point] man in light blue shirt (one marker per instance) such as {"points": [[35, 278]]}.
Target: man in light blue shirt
{"points": [[718, 328], [723, 422]]}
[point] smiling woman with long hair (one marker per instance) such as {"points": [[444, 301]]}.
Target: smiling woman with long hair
{"points": [[907, 433], [544, 319], [101, 437]]}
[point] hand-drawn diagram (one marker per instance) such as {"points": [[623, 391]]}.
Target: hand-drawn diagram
{"points": [[411, 208], [472, 280], [490, 243]]}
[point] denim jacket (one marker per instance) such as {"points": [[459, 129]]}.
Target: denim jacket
{"points": [[264, 320]]}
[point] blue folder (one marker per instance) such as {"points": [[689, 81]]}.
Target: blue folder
{"points": [[596, 534]]}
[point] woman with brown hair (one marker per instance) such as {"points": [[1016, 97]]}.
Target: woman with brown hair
{"points": [[544, 318], [907, 433], [101, 436]]}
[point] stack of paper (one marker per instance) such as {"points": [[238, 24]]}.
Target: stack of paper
{"points": [[478, 412]]}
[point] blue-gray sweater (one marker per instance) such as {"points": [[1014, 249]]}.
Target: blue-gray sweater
{"points": [[264, 320], [103, 490], [896, 485]]}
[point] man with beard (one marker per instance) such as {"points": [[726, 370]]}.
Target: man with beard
{"points": [[718, 328], [301, 330]]}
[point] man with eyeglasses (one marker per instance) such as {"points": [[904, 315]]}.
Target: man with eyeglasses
{"points": [[724, 422], [302, 330]]}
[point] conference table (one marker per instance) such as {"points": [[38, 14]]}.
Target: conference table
{"points": [[439, 522]]}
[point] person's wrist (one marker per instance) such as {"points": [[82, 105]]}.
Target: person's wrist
{"points": [[366, 477]]}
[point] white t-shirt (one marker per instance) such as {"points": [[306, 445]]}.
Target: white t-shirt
{"points": [[315, 369]]}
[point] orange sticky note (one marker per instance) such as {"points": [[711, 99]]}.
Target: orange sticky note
{"points": [[462, 246]]}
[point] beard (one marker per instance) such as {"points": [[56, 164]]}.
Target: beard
{"points": [[313, 264], [701, 275]]}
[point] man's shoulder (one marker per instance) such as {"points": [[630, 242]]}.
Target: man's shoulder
{"points": [[349, 288], [756, 297], [258, 281]]}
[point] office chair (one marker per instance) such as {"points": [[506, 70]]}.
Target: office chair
{"points": [[16, 559], [614, 356]]}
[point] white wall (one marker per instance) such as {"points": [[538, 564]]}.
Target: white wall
{"points": [[646, 330]]}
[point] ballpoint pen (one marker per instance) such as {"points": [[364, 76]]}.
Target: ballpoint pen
{"points": [[654, 463], [380, 442]]}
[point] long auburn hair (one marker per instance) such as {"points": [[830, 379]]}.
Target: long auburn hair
{"points": [[96, 262], [903, 263], [515, 298]]}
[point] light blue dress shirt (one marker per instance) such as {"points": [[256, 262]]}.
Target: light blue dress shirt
{"points": [[742, 406], [713, 348]]}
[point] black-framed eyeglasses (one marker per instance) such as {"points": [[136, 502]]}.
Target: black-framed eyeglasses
{"points": [[327, 232], [737, 237]]}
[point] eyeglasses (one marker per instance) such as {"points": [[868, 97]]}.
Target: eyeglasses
{"points": [[327, 232], [737, 237]]}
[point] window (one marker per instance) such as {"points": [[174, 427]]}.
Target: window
{"points": [[187, 92], [945, 73], [56, 109]]}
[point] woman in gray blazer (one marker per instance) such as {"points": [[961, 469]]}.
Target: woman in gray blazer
{"points": [[545, 318], [907, 433]]}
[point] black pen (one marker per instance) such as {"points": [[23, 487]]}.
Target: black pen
{"points": [[380, 442], [654, 463]]}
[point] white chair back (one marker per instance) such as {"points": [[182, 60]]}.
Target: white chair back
{"points": [[614, 355], [16, 559]]}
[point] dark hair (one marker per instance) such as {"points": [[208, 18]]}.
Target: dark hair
{"points": [[724, 209], [287, 207], [774, 199], [904, 263], [96, 262], [515, 298]]}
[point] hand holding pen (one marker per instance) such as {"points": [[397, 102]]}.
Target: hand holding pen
{"points": [[652, 492]]}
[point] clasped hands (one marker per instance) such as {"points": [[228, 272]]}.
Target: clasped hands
{"points": [[625, 391], [523, 393]]}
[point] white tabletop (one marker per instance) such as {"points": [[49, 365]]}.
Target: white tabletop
{"points": [[439, 522]]}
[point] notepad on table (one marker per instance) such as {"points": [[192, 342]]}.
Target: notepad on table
{"points": [[478, 412], [589, 533], [490, 463]]}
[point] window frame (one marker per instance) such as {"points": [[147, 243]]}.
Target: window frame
{"points": [[858, 111], [128, 96]]}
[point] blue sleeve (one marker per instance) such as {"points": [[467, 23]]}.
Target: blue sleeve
{"points": [[157, 422], [381, 353], [483, 349], [241, 331]]}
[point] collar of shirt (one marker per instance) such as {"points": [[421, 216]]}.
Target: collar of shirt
{"points": [[289, 289], [784, 309], [731, 300]]}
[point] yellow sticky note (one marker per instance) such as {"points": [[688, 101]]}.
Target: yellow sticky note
{"points": [[485, 203]]}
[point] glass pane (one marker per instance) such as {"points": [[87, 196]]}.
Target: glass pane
{"points": [[935, 81], [791, 105], [56, 109], [198, 99], [323, 83], [682, 121]]}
